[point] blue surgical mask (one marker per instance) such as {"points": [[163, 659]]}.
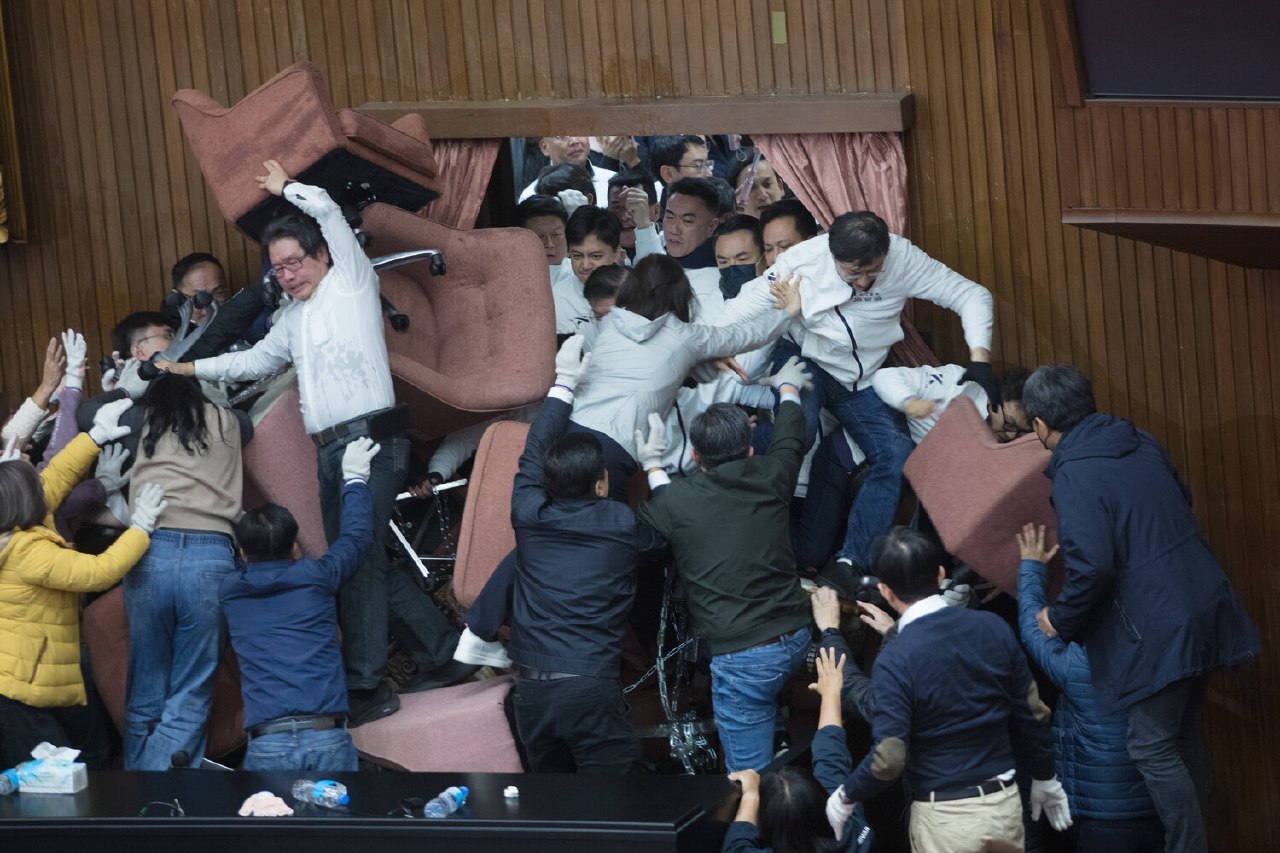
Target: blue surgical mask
{"points": [[732, 278]]}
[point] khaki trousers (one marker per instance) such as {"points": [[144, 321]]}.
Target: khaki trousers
{"points": [[991, 823]]}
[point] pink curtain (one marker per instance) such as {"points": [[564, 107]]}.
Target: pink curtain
{"points": [[833, 173], [465, 167]]}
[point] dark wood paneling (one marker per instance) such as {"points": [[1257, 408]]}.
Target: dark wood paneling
{"points": [[1185, 346]]}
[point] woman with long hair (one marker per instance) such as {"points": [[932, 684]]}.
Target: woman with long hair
{"points": [[41, 578], [191, 448]]}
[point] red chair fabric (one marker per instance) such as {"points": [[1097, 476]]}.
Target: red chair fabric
{"points": [[481, 339], [486, 536], [979, 492]]}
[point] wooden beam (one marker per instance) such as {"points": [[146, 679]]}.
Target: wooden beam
{"points": [[854, 113], [1245, 239]]}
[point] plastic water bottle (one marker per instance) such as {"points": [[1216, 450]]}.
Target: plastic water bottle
{"points": [[8, 781], [448, 802], [326, 792]]}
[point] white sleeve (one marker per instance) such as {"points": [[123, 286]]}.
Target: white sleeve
{"points": [[895, 385], [24, 422], [938, 283], [746, 322], [648, 243], [457, 447], [344, 249], [270, 355]]}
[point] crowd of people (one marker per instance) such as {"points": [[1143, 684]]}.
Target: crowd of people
{"points": [[722, 404]]}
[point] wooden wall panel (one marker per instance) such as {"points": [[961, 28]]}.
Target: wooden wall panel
{"points": [[1185, 346]]}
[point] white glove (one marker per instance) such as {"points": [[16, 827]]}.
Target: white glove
{"points": [[1048, 794], [76, 349], [106, 423], [147, 507], [131, 382], [791, 373], [571, 200], [571, 364], [110, 461], [651, 448], [839, 810], [956, 594], [265, 804], [357, 459]]}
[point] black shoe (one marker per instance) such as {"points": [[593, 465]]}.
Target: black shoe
{"points": [[452, 672], [365, 706]]}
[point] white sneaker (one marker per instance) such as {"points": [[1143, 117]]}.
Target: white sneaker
{"points": [[472, 649]]}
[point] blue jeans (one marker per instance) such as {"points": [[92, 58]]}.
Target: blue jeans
{"points": [[380, 601], [882, 434], [744, 697], [325, 751], [175, 633]]}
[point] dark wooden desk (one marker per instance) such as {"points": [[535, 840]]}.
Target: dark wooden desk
{"points": [[553, 813]]}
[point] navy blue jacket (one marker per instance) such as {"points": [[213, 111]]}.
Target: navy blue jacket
{"points": [[831, 765], [1092, 748], [284, 623], [575, 566], [1142, 592], [950, 691]]}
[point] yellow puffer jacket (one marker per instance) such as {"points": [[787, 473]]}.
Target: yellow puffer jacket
{"points": [[40, 575]]}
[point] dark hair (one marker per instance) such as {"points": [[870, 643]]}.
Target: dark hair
{"points": [[793, 814], [713, 192], [573, 465], [1012, 384], [742, 222], [669, 151], [539, 205], [1058, 394], [556, 178], [635, 177], [605, 282], [590, 220], [740, 163], [805, 224], [907, 562], [267, 533], [190, 262], [175, 404], [304, 229], [22, 503], [658, 286], [124, 334], [720, 434], [858, 238]]}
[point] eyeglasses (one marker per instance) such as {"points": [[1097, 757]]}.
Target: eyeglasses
{"points": [[167, 334], [697, 166], [1010, 428], [290, 264], [849, 274]]}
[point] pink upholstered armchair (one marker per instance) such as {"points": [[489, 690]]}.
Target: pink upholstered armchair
{"points": [[979, 492], [292, 119], [481, 338]]}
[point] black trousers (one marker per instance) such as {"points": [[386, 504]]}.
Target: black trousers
{"points": [[23, 727], [575, 725]]}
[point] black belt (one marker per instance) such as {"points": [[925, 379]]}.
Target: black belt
{"points": [[303, 723], [543, 675], [991, 786], [378, 425]]}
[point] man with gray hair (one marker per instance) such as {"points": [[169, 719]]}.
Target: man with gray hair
{"points": [[728, 525]]}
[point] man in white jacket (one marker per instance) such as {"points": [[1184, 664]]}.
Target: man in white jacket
{"points": [[855, 281], [923, 394]]}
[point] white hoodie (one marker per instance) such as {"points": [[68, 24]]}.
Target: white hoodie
{"points": [[849, 333]]}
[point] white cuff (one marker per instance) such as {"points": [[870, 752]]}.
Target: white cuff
{"points": [[658, 478], [562, 393], [789, 397]]}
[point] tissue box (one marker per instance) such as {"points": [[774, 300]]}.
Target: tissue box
{"points": [[52, 777]]}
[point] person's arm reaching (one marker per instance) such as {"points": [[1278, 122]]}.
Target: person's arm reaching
{"points": [[1084, 534], [742, 834], [528, 494], [944, 286], [347, 553], [787, 445], [1033, 742], [1049, 653]]}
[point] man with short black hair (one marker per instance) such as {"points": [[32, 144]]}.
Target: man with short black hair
{"points": [[670, 158], [729, 529], [784, 224], [574, 150], [546, 217], [574, 585], [1143, 593], [198, 272], [634, 200], [593, 236], [283, 622], [949, 692], [739, 252], [855, 281]]}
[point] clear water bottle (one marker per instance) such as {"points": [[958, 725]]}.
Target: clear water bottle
{"points": [[326, 792], [8, 781], [448, 802]]}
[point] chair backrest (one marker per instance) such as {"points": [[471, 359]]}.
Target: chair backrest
{"points": [[979, 492], [486, 535]]}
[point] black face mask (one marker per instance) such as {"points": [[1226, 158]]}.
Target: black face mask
{"points": [[733, 277]]}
